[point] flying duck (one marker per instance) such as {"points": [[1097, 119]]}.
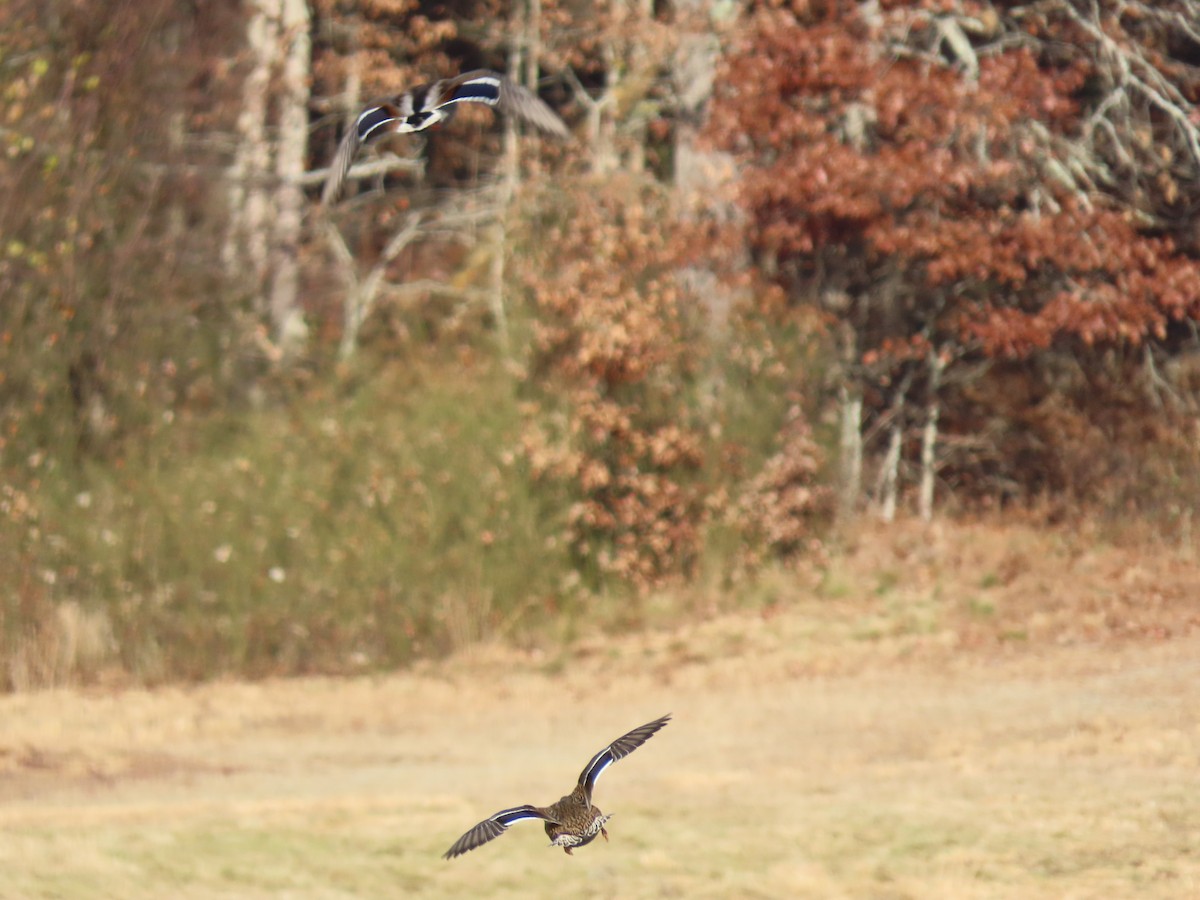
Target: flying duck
{"points": [[572, 821], [428, 104]]}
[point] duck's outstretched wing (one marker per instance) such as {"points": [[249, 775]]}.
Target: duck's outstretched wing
{"points": [[492, 827], [380, 118], [499, 92], [618, 749]]}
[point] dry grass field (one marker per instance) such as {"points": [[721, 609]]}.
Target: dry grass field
{"points": [[967, 712]]}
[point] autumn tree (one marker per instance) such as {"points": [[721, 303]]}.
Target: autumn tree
{"points": [[109, 308], [975, 194], [613, 351], [113, 324]]}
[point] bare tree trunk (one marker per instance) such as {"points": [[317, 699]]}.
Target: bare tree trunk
{"points": [[499, 231], [850, 448], [639, 61], [850, 452], [287, 316], [507, 185], [600, 129], [701, 173], [176, 135], [533, 44], [246, 249], [887, 487], [929, 438], [889, 473]]}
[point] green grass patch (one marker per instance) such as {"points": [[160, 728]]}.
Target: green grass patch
{"points": [[334, 533]]}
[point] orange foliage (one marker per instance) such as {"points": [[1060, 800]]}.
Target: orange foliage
{"points": [[998, 197], [784, 507], [612, 334], [889, 162]]}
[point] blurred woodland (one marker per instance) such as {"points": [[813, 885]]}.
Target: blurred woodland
{"points": [[799, 262]]}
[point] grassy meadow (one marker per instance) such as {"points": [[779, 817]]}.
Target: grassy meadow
{"points": [[980, 711]]}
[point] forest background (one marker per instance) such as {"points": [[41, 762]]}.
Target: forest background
{"points": [[801, 265]]}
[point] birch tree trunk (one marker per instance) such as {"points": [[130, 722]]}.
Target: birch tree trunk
{"points": [[887, 487], [266, 197], [603, 124], [889, 473], [849, 452], [701, 173], [533, 44], [510, 165], [245, 253], [929, 438], [850, 443], [287, 315]]}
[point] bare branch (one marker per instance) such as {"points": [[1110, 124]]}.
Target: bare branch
{"points": [[960, 45], [384, 165], [363, 292], [432, 286], [1148, 81]]}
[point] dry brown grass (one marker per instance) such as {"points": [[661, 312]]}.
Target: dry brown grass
{"points": [[964, 712]]}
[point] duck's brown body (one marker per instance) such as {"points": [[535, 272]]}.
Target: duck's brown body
{"points": [[574, 822]]}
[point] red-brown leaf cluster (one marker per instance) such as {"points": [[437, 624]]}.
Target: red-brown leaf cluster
{"points": [[613, 338], [996, 180], [784, 507]]}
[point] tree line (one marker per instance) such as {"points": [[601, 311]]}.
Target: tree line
{"points": [[799, 260]]}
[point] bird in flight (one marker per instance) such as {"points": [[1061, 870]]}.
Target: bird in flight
{"points": [[428, 104], [572, 821]]}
